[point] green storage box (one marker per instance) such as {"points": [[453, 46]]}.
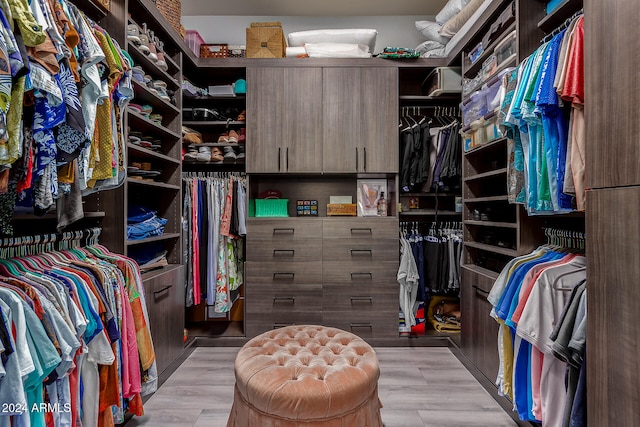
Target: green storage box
{"points": [[272, 208]]}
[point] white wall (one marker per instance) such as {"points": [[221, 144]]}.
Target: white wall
{"points": [[397, 31]]}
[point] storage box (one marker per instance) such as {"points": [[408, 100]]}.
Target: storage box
{"points": [[237, 51], [474, 108], [478, 133], [343, 209], [307, 208], [214, 50], [506, 48], [443, 80], [266, 40], [194, 41], [272, 208], [491, 128]]}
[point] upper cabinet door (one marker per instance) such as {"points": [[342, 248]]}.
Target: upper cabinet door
{"points": [[301, 120], [342, 109], [265, 106], [284, 120], [379, 120]]}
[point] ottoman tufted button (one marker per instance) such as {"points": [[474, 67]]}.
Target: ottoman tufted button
{"points": [[331, 380]]}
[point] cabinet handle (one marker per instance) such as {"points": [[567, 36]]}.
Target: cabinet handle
{"points": [[287, 158], [362, 274], [356, 158], [275, 275], [279, 155], [283, 252], [361, 299], [480, 290], [284, 230], [287, 299], [361, 325], [361, 230], [282, 325], [159, 291], [365, 158], [361, 251]]}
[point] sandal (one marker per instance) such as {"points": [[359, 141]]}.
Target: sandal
{"points": [[216, 155], [224, 138], [233, 137]]}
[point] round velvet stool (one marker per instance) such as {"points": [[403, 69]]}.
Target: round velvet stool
{"points": [[311, 376]]}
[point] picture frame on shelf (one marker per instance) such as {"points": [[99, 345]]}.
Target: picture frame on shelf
{"points": [[369, 192]]}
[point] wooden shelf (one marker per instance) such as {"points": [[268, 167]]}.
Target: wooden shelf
{"points": [[165, 236], [481, 270], [216, 98], [155, 273], [154, 184], [430, 195], [559, 15], [472, 71], [53, 216], [93, 10], [511, 61], [151, 67], [142, 93], [487, 199], [492, 248], [492, 224], [215, 144], [148, 124], [429, 212], [196, 123], [489, 174], [171, 62], [488, 146], [152, 154]]}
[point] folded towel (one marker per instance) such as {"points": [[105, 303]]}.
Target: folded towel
{"points": [[295, 51], [337, 50]]}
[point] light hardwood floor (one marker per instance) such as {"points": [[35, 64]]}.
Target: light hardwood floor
{"points": [[418, 387]]}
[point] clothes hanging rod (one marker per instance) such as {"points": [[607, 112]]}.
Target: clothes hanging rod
{"points": [[562, 26]]}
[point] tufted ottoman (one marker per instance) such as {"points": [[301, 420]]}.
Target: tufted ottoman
{"points": [[310, 376]]}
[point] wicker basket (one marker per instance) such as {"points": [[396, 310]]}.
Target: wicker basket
{"points": [[172, 11], [214, 50], [104, 4], [266, 40]]}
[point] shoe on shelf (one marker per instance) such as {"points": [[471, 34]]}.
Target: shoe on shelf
{"points": [[138, 74], [241, 153], [216, 155], [243, 136], [191, 136], [133, 34], [153, 50], [242, 116], [144, 44], [162, 63], [229, 153], [233, 137], [204, 154], [224, 138], [191, 154], [161, 87]]}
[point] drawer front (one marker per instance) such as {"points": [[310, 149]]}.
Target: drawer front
{"points": [[257, 323], [360, 228], [283, 229], [284, 251], [283, 298], [360, 298], [358, 250], [366, 325], [279, 273], [359, 273]]}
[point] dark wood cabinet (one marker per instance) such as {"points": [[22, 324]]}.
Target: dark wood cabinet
{"points": [[165, 303], [285, 108], [360, 106], [479, 329]]}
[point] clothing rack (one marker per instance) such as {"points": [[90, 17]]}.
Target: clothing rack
{"points": [[569, 239], [562, 26], [195, 175], [437, 111], [12, 247]]}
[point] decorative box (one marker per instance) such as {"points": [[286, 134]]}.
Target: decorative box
{"points": [[307, 208], [342, 209]]}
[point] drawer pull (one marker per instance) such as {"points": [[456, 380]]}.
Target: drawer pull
{"points": [[361, 299], [370, 275], [284, 230], [361, 251], [277, 275], [292, 300], [283, 252], [361, 325], [361, 230], [480, 290], [161, 290]]}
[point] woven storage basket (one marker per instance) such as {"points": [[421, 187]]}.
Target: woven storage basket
{"points": [[214, 50], [104, 4], [266, 40], [172, 11], [272, 208]]}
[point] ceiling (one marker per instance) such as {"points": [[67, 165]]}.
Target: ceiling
{"points": [[311, 8]]}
